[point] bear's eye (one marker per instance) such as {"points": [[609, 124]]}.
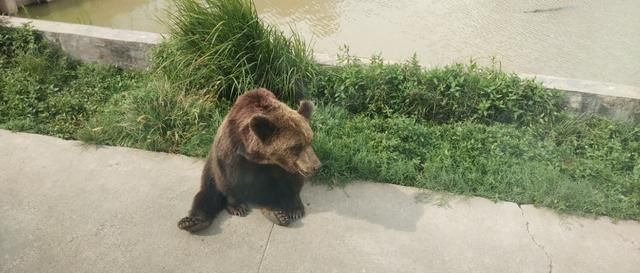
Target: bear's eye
{"points": [[296, 149]]}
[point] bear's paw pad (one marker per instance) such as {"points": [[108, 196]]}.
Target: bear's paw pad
{"points": [[277, 217], [193, 224]]}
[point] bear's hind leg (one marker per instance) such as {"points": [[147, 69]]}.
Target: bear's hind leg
{"points": [[207, 203]]}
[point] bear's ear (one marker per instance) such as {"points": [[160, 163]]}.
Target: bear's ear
{"points": [[263, 127], [306, 109]]}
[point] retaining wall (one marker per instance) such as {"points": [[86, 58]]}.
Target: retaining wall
{"points": [[123, 48], [131, 49]]}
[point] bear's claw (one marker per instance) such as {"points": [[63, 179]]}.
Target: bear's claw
{"points": [[238, 210], [296, 214], [283, 218], [277, 217]]}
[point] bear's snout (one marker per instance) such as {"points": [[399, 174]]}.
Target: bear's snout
{"points": [[308, 162]]}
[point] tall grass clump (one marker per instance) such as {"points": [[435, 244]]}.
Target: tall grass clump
{"points": [[157, 117], [222, 47], [454, 93]]}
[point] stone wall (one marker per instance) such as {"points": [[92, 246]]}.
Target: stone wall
{"points": [[131, 49]]}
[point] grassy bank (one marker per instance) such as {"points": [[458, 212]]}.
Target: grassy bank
{"points": [[455, 93], [576, 165], [461, 128], [43, 91]]}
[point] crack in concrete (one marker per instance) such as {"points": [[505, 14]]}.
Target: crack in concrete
{"points": [[533, 239], [264, 252], [547, 9]]}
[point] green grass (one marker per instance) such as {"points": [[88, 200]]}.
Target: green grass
{"points": [[584, 165], [43, 91], [454, 93], [386, 123], [158, 118], [223, 48]]}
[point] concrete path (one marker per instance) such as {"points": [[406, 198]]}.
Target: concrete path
{"points": [[69, 207]]}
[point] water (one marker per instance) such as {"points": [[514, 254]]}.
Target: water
{"points": [[588, 39]]}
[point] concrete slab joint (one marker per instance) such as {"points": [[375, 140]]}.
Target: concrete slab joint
{"points": [[266, 248]]}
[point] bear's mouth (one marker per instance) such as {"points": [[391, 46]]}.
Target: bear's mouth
{"points": [[297, 170], [305, 174], [308, 172]]}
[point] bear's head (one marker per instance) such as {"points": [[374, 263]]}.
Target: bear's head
{"points": [[279, 135]]}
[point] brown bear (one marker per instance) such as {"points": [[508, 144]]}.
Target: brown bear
{"points": [[261, 155]]}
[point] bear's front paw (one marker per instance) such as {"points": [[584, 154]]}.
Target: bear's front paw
{"points": [[283, 218], [240, 209], [193, 224], [277, 217]]}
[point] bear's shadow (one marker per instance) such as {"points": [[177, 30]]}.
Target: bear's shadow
{"points": [[382, 204]]}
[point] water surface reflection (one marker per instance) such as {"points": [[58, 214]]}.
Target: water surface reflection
{"points": [[595, 40]]}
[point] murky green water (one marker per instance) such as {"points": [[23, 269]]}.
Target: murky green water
{"points": [[588, 39]]}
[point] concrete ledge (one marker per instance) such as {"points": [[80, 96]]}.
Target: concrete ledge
{"points": [[586, 86], [131, 49], [615, 101], [123, 48]]}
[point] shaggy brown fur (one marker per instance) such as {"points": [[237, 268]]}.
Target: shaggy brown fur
{"points": [[261, 155]]}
